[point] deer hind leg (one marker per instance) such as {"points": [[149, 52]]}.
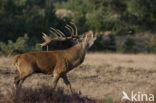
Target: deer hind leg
{"points": [[18, 80], [66, 81]]}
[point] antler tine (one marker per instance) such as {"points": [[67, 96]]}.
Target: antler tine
{"points": [[68, 29], [47, 40], [55, 34], [71, 29], [58, 34], [75, 28], [46, 37]]}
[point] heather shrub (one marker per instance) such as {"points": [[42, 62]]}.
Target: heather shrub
{"points": [[44, 94]]}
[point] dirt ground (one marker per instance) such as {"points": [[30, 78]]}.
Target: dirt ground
{"points": [[102, 75]]}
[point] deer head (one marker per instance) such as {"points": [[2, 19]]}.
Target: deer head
{"points": [[88, 39]]}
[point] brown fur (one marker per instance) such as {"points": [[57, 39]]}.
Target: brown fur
{"points": [[56, 63]]}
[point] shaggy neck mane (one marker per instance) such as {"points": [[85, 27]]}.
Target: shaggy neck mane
{"points": [[76, 54]]}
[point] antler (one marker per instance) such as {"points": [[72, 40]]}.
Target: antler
{"points": [[47, 40], [58, 32], [70, 29], [75, 28], [59, 36]]}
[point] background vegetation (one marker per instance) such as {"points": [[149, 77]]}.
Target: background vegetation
{"points": [[23, 21]]}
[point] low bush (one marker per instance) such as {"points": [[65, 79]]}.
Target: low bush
{"points": [[151, 45], [129, 46], [44, 95], [19, 46], [104, 45]]}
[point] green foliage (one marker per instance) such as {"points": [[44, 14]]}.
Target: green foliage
{"points": [[145, 12], [109, 100], [26, 16], [12, 47], [151, 45], [98, 44], [94, 20], [119, 16], [20, 46], [84, 14], [32, 17], [129, 46], [104, 45], [110, 44]]}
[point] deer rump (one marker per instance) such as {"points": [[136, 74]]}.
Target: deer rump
{"points": [[37, 62]]}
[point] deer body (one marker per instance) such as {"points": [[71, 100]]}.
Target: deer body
{"points": [[57, 63], [46, 61]]}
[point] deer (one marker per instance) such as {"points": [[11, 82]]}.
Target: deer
{"points": [[54, 62]]}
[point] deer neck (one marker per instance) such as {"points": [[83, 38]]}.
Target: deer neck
{"points": [[76, 55]]}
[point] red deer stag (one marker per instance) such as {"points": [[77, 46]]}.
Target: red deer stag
{"points": [[57, 62]]}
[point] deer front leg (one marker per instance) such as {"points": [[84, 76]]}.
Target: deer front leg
{"points": [[66, 81], [55, 80]]}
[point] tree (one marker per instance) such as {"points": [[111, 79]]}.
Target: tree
{"points": [[26, 16], [145, 11]]}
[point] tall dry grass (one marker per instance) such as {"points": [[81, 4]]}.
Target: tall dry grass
{"points": [[102, 76]]}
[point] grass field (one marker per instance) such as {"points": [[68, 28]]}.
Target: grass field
{"points": [[101, 76]]}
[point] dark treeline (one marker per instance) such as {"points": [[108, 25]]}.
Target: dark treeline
{"points": [[119, 16], [32, 17], [23, 21]]}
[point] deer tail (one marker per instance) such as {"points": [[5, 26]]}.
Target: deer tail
{"points": [[15, 60]]}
